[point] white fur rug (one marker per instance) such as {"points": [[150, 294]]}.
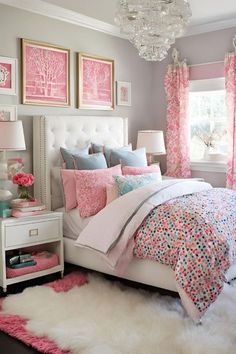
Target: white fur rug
{"points": [[103, 317]]}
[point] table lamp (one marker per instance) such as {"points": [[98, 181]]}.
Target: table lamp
{"points": [[153, 141], [11, 139]]}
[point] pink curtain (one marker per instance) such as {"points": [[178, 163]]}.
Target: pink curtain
{"points": [[177, 135], [230, 86]]}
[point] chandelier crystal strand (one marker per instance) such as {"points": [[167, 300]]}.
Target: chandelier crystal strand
{"points": [[153, 25]]}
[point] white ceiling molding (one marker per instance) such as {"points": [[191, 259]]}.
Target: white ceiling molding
{"points": [[210, 27], [41, 7]]}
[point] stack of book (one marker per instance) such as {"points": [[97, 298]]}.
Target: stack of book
{"points": [[25, 207]]}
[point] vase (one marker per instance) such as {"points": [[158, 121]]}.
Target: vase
{"points": [[23, 192]]}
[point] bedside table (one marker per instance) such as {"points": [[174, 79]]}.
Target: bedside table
{"points": [[33, 233]]}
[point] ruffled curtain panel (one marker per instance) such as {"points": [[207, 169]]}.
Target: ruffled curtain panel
{"points": [[177, 135], [230, 87]]}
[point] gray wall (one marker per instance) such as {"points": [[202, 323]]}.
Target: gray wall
{"points": [[204, 48], [16, 24], [148, 97]]}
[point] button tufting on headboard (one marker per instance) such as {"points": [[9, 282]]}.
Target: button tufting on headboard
{"points": [[51, 132]]}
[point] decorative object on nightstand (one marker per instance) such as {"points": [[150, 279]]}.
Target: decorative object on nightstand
{"points": [[36, 238], [24, 181], [153, 141], [26, 207], [11, 139]]}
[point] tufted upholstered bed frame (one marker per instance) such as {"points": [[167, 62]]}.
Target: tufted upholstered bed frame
{"points": [[51, 132]]}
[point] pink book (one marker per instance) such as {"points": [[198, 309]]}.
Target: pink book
{"points": [[19, 214], [25, 203]]}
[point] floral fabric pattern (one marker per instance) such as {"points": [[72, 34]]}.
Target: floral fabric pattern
{"points": [[196, 236], [230, 86], [127, 184], [177, 135]]}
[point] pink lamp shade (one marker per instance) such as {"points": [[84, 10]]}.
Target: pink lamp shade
{"points": [[12, 136], [152, 140]]}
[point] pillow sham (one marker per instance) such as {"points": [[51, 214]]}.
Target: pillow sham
{"points": [[91, 189], [69, 189], [90, 162], [108, 152], [127, 184], [67, 155], [111, 154], [133, 171], [112, 192], [135, 158]]}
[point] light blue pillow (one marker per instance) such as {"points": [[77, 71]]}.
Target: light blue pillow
{"points": [[67, 155], [97, 148], [112, 160], [112, 154], [127, 184], [135, 158], [90, 162]]}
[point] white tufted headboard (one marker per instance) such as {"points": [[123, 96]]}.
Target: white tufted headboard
{"points": [[52, 132]]}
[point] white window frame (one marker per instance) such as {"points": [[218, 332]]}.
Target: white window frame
{"points": [[207, 85]]}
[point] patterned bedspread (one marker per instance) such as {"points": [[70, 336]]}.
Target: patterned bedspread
{"points": [[195, 235]]}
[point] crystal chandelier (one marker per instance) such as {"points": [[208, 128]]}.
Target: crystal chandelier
{"points": [[153, 25]]}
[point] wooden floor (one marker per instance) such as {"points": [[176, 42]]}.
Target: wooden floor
{"points": [[9, 345]]}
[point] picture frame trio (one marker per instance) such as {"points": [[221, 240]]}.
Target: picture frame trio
{"points": [[46, 79]]}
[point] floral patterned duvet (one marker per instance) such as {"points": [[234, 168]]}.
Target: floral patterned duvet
{"points": [[196, 235]]}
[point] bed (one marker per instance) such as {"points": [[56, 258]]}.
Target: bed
{"points": [[53, 132]]}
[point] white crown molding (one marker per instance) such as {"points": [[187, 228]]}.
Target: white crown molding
{"points": [[41, 7], [210, 27]]}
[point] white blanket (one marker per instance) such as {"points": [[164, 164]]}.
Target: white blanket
{"points": [[110, 231]]}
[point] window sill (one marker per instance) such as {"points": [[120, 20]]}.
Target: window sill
{"points": [[208, 166]]}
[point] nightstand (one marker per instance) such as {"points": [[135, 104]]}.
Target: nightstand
{"points": [[35, 233]]}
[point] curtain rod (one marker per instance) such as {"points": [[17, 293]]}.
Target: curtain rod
{"points": [[210, 62]]}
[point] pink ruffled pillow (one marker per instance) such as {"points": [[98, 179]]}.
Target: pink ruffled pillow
{"points": [[91, 189], [133, 171], [69, 187]]}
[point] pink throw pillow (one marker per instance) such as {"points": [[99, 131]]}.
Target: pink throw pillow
{"points": [[91, 189], [112, 192], [69, 187], [133, 171]]}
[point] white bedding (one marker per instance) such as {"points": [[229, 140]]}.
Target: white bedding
{"points": [[73, 224]]}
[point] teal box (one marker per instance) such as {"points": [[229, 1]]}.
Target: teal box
{"points": [[4, 204]]}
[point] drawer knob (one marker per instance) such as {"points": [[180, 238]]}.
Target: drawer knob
{"points": [[33, 232]]}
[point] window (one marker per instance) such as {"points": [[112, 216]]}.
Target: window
{"points": [[208, 122]]}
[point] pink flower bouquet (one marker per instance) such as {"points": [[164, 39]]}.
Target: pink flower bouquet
{"points": [[24, 181]]}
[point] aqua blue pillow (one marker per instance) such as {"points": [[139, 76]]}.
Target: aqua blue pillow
{"points": [[67, 155], [135, 158], [90, 162], [127, 184]]}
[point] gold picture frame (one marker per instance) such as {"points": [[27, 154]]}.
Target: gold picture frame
{"points": [[45, 74], [95, 82]]}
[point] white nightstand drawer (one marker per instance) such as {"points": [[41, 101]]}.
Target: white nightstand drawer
{"points": [[23, 234]]}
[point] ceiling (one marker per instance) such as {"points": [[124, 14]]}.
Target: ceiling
{"points": [[203, 11]]}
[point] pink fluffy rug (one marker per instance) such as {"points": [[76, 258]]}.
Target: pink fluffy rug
{"points": [[15, 325]]}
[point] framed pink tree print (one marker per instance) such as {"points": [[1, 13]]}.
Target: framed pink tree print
{"points": [[46, 74], [8, 73], [95, 82]]}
